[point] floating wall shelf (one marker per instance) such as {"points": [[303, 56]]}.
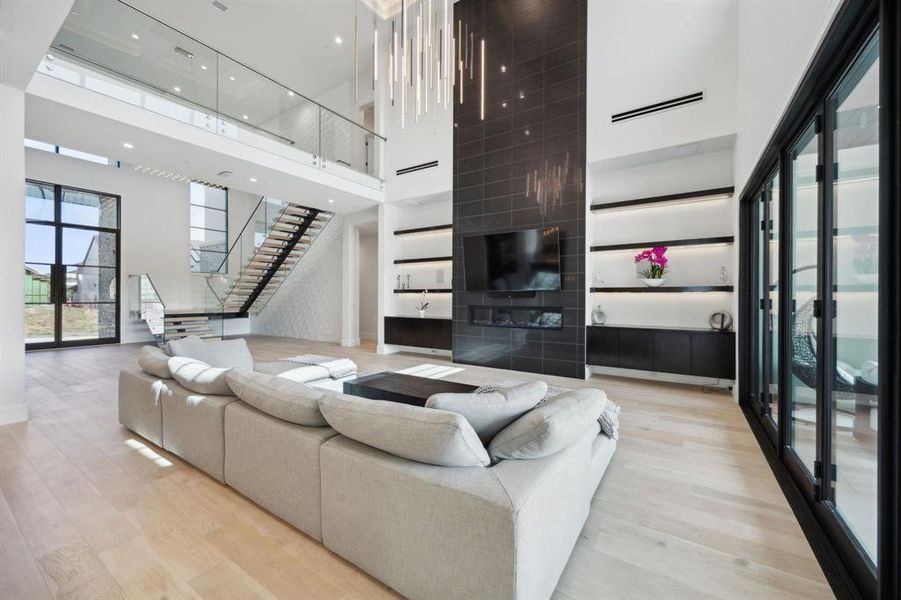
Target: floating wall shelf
{"points": [[420, 290], [432, 228], [726, 239], [664, 289], [406, 261], [698, 195]]}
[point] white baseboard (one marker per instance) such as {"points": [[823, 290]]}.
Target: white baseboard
{"points": [[13, 413], [392, 348], [350, 342], [659, 376]]}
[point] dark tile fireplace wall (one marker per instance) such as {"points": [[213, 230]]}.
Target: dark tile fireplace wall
{"points": [[534, 112]]}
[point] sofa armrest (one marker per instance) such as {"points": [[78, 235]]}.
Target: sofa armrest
{"points": [[551, 499]]}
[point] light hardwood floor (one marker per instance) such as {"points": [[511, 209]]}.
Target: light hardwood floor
{"points": [[687, 509]]}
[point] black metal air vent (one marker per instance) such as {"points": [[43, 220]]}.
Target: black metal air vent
{"points": [[658, 107], [415, 168]]}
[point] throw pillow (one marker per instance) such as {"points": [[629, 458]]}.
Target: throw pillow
{"points": [[223, 354], [199, 377], [551, 427], [154, 361], [280, 397], [490, 412], [436, 437]]}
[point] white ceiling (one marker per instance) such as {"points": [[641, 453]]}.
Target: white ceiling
{"points": [[26, 28]]}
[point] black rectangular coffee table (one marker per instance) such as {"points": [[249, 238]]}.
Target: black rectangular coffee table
{"points": [[398, 387]]}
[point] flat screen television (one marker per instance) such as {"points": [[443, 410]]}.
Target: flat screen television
{"points": [[519, 261]]}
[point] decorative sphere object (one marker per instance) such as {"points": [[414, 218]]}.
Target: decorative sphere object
{"points": [[720, 321]]}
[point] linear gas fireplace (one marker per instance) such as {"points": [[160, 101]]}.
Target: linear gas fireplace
{"points": [[516, 317]]}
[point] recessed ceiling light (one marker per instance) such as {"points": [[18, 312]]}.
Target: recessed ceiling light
{"points": [[503, 68], [330, 201], [290, 93], [338, 40], [128, 145], [232, 78], [245, 117], [527, 132], [522, 94], [253, 180], [203, 67], [504, 104], [135, 36], [176, 88]]}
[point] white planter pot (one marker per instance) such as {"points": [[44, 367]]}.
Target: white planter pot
{"points": [[654, 282], [422, 314]]}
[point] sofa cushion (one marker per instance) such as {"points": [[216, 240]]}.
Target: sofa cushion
{"points": [[490, 412], [278, 396], [154, 361], [550, 427], [222, 354], [199, 377], [436, 437]]}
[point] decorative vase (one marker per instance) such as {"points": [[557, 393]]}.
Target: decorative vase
{"points": [[422, 314], [598, 316], [654, 282]]}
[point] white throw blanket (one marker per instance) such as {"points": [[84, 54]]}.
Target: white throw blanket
{"points": [[337, 367]]}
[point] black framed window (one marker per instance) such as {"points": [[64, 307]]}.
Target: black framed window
{"points": [[209, 228], [71, 266], [832, 431]]}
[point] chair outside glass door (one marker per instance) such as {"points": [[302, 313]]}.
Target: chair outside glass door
{"points": [[71, 266]]}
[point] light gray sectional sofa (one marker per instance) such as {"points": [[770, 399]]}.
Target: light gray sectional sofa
{"points": [[500, 531]]}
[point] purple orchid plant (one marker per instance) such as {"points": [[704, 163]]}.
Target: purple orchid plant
{"points": [[657, 262]]}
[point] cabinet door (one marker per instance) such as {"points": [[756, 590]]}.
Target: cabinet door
{"points": [[713, 355], [672, 352], [603, 347], [636, 349]]}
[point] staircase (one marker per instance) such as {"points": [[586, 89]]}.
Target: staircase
{"points": [[272, 258], [272, 242], [182, 325]]}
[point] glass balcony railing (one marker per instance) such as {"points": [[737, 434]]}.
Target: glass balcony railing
{"points": [[114, 49]]}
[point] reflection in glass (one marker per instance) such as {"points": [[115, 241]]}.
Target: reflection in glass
{"points": [[37, 283], [87, 208], [88, 321], [802, 394], [38, 202], [772, 192], [855, 246], [88, 247], [40, 243], [90, 284], [761, 320], [39, 323]]}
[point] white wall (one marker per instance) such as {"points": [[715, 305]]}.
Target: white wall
{"points": [[657, 173], [368, 278], [776, 40], [308, 305], [643, 52], [432, 276], [13, 406], [155, 228]]}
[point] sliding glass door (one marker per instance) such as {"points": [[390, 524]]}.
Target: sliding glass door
{"points": [[71, 266], [813, 320], [854, 328]]}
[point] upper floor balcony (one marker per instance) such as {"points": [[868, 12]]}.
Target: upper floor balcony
{"points": [[115, 50]]}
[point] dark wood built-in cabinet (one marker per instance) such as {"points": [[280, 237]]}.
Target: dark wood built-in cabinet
{"points": [[680, 351], [418, 333]]}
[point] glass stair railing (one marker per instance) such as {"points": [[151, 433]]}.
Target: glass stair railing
{"points": [[116, 50], [273, 241], [172, 323]]}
